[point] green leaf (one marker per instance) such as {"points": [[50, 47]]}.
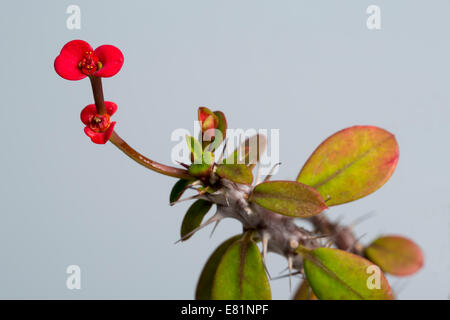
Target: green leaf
{"points": [[304, 292], [396, 255], [178, 189], [238, 173], [196, 149], [249, 152], [194, 217], [222, 127], [241, 274], [199, 170], [198, 155], [339, 275], [289, 198], [351, 164], [205, 282]]}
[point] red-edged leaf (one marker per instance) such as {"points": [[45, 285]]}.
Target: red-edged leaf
{"points": [[238, 173], [289, 198], [396, 255], [194, 217], [201, 160], [205, 281], [351, 164], [213, 134], [207, 118], [222, 126], [208, 122], [240, 274], [339, 275], [304, 292], [178, 189]]}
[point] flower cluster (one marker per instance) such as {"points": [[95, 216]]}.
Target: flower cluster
{"points": [[77, 60], [98, 127]]}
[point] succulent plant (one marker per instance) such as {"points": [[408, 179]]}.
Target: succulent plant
{"points": [[347, 166]]}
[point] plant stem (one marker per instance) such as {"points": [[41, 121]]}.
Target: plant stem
{"points": [[150, 164], [97, 90], [343, 237]]}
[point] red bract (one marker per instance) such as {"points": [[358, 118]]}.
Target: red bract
{"points": [[98, 127], [78, 60]]}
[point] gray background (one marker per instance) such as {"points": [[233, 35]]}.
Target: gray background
{"points": [[308, 68]]}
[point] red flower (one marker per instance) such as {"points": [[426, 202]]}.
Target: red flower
{"points": [[98, 127], [78, 60]]}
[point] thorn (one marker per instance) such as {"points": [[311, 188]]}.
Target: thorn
{"points": [[271, 172], [267, 271], [213, 197], [362, 218], [321, 236], [350, 249], [258, 173], [223, 151], [287, 275], [338, 220], [284, 269], [293, 244], [197, 196], [195, 183], [214, 218], [226, 200], [214, 228], [265, 243], [399, 286], [290, 272], [183, 164], [243, 204]]}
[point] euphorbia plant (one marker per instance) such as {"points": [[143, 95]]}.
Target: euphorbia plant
{"points": [[347, 166]]}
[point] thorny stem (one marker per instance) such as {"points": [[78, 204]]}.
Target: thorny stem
{"points": [[146, 162], [343, 237], [97, 90]]}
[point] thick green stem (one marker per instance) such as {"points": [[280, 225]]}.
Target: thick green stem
{"points": [[150, 164]]}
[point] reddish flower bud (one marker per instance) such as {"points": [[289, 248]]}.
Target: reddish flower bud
{"points": [[207, 119], [98, 127], [78, 60]]}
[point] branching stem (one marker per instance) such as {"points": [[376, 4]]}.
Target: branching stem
{"points": [[97, 90]]}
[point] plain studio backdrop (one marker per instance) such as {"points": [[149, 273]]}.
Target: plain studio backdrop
{"points": [[307, 68]]}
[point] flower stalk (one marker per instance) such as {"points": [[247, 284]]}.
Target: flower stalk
{"points": [[146, 162], [97, 90]]}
